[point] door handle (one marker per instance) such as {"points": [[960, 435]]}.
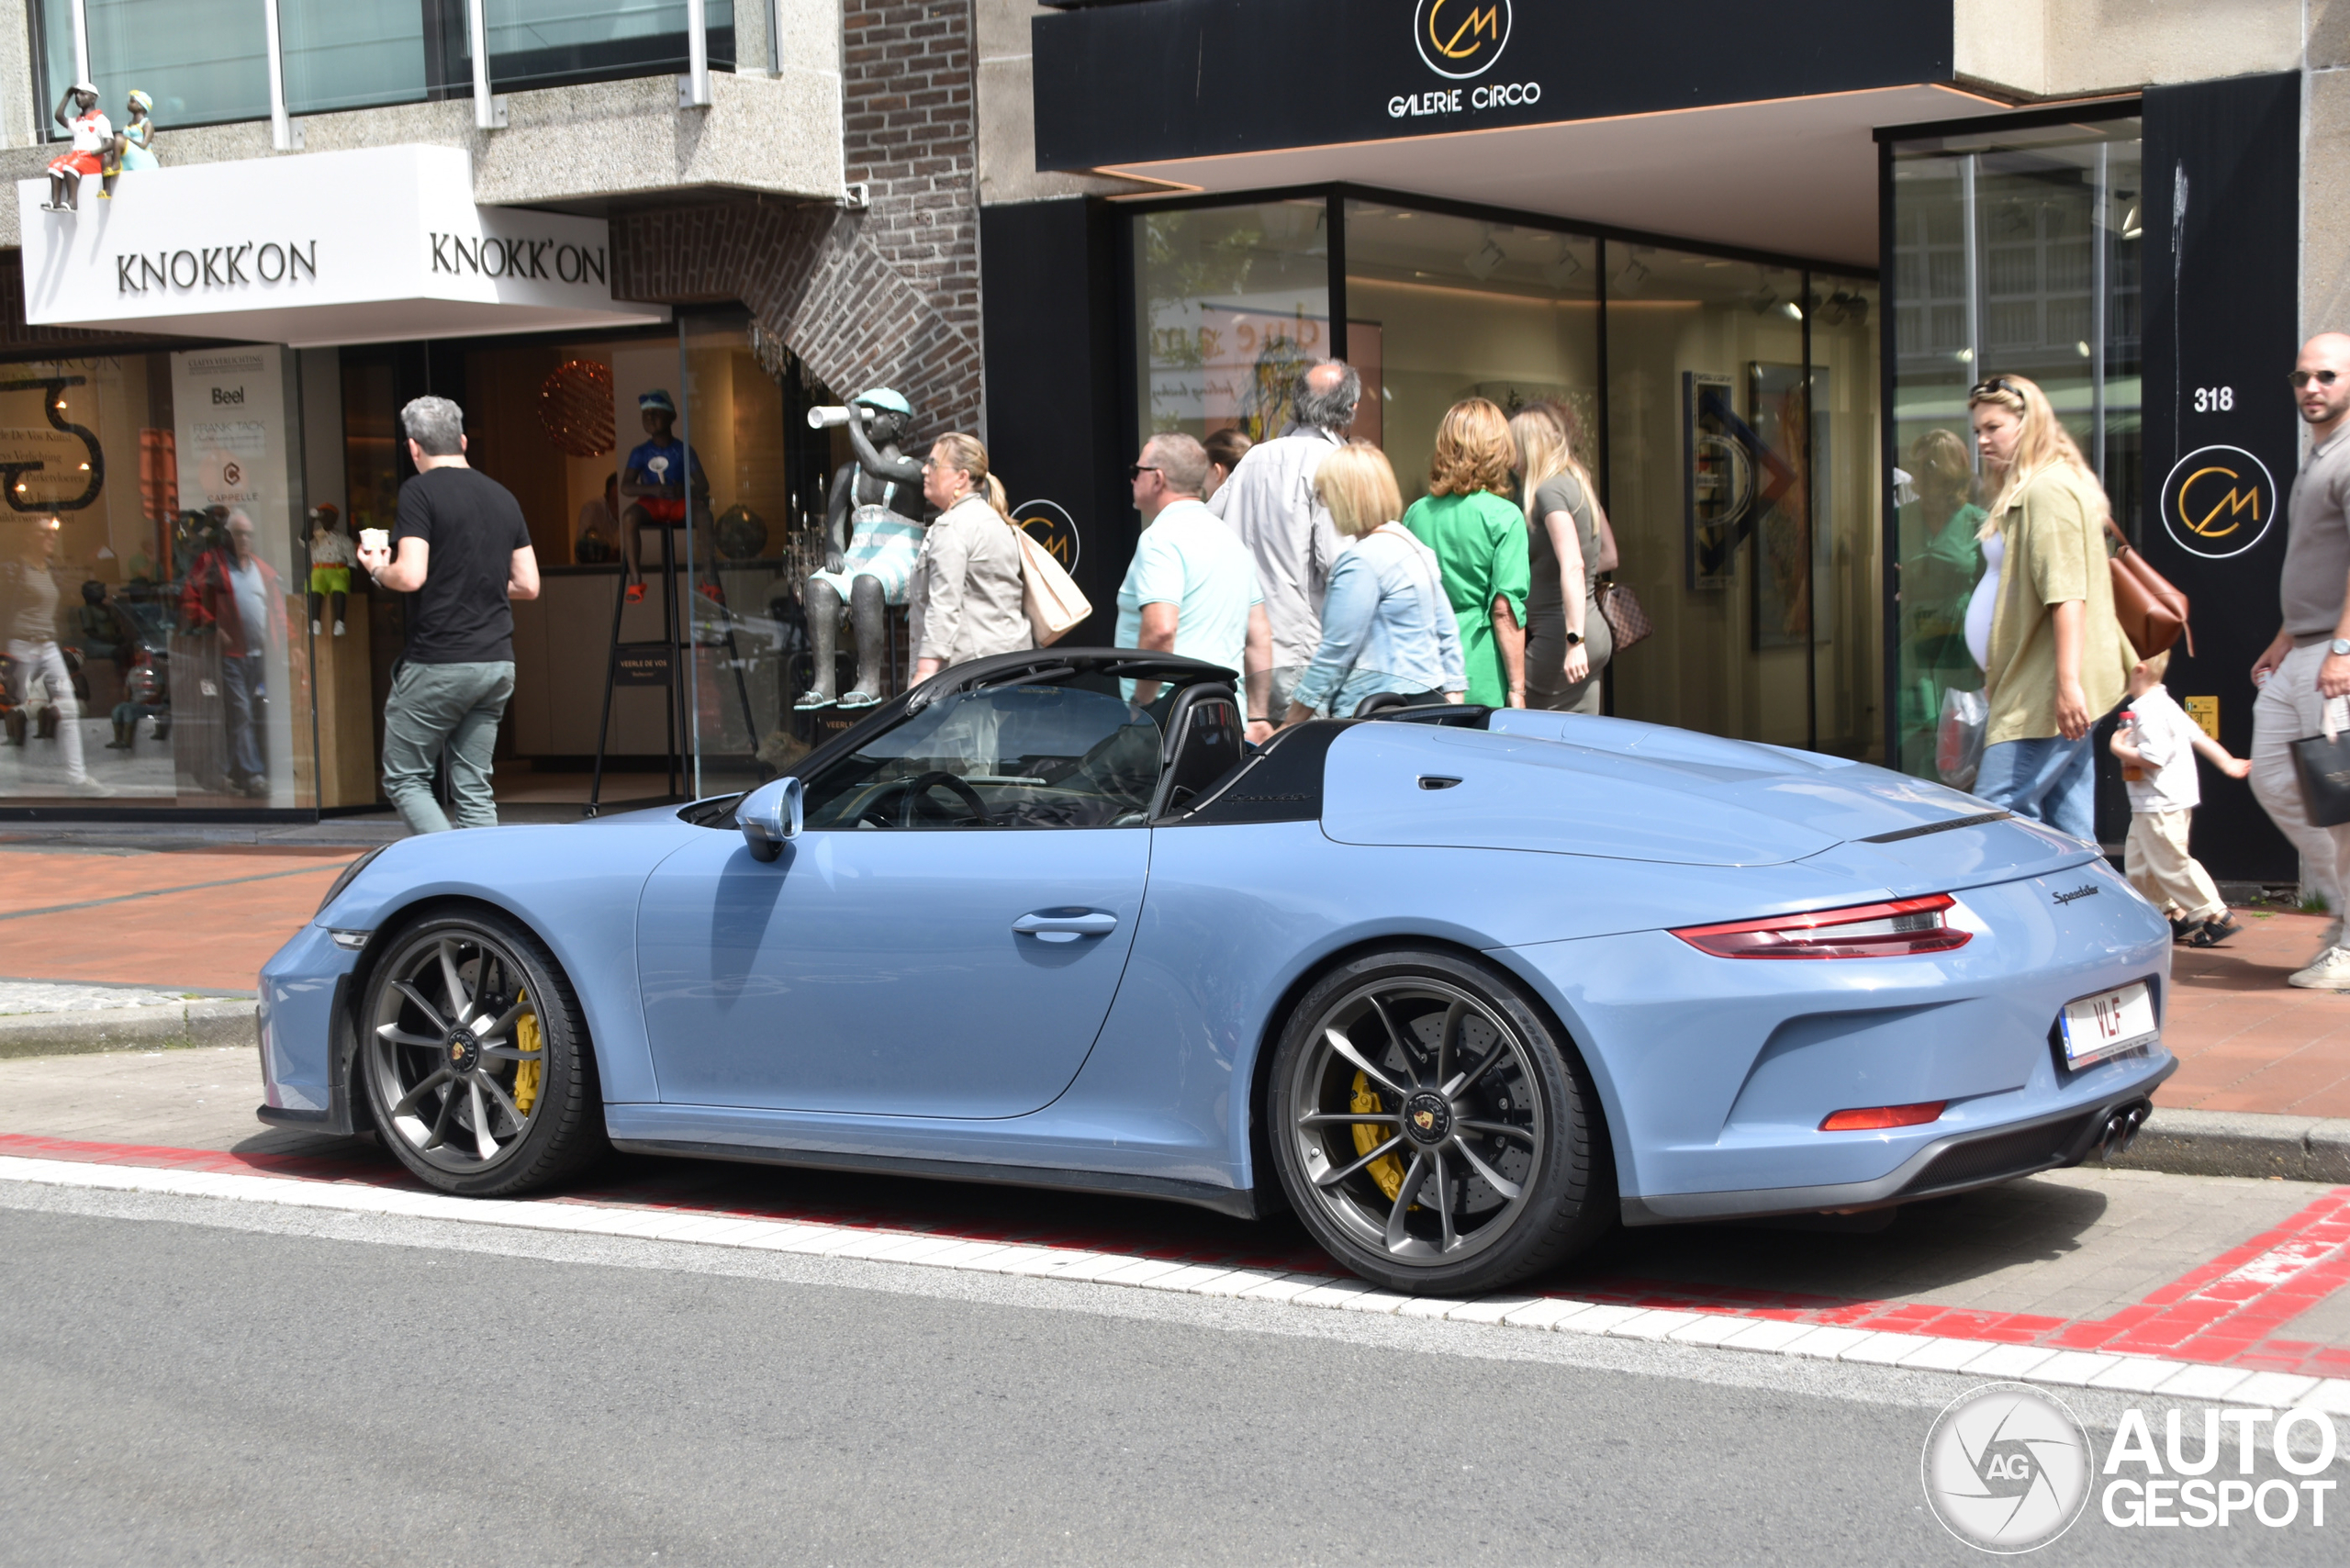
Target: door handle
{"points": [[1066, 924]]}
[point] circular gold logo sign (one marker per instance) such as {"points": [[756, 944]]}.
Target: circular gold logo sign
{"points": [[1461, 38], [1050, 524], [2218, 502]]}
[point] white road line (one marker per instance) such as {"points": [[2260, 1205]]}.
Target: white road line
{"points": [[1727, 1331]]}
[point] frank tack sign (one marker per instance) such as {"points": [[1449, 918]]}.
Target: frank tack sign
{"points": [[488, 257], [215, 266]]}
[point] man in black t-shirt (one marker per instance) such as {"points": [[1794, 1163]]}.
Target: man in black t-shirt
{"points": [[461, 552]]}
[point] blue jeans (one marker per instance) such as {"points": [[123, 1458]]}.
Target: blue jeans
{"points": [[2052, 781], [245, 703]]}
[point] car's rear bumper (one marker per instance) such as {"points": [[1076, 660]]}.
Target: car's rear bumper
{"points": [[1960, 1162]]}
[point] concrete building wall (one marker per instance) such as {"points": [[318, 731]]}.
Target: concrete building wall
{"points": [[2055, 49]]}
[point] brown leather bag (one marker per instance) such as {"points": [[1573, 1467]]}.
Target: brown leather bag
{"points": [[2152, 613], [1628, 619]]}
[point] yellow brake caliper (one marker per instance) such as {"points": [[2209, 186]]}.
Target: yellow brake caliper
{"points": [[1387, 1170], [528, 1074]]}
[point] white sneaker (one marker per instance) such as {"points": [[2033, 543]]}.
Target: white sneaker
{"points": [[338, 628], [2330, 972], [2327, 943], [316, 628]]}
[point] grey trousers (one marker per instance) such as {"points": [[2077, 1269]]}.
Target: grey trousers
{"points": [[458, 705]]}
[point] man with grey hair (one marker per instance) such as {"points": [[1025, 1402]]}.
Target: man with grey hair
{"points": [[1192, 589], [1270, 503], [462, 553]]}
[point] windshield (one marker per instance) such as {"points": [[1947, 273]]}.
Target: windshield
{"points": [[1006, 757]]}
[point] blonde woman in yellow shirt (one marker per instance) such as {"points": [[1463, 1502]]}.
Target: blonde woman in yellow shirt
{"points": [[2057, 660]]}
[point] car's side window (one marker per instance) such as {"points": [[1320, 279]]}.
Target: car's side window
{"points": [[1007, 756]]}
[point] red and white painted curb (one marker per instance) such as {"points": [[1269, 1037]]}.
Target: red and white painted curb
{"points": [[2091, 1355]]}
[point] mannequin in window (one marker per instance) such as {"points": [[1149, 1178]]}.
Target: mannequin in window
{"points": [[332, 555], [873, 535], [655, 481]]}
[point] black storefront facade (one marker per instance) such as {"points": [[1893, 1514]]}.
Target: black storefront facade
{"points": [[1808, 301]]}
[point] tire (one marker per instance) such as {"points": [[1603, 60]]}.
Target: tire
{"points": [[452, 1086], [1415, 1188]]}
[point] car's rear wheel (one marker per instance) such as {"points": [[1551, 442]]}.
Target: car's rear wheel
{"points": [[476, 1057], [1435, 1132]]}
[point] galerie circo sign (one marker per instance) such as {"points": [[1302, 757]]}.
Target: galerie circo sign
{"points": [[1459, 40], [1050, 524], [2218, 502]]}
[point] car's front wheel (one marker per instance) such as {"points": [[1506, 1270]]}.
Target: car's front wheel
{"points": [[476, 1057], [1435, 1133]]}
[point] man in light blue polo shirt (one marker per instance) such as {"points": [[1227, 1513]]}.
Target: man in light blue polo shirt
{"points": [[1193, 587]]}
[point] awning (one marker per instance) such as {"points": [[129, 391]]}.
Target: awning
{"points": [[371, 245]]}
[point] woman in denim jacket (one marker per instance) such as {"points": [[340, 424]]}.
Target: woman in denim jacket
{"points": [[1386, 624]]}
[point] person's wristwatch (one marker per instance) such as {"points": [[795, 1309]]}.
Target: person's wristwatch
{"points": [[2339, 648], [1574, 639]]}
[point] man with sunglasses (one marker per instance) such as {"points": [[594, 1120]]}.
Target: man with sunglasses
{"points": [[1191, 588], [2308, 661]]}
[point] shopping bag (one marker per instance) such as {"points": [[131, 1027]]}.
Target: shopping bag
{"points": [[1958, 739], [1048, 593], [2323, 762]]}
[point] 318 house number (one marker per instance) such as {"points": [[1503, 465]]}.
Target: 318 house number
{"points": [[2214, 399]]}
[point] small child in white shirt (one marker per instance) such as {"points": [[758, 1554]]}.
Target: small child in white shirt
{"points": [[2157, 743]]}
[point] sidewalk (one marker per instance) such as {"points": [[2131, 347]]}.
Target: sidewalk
{"points": [[2245, 1040], [204, 917]]}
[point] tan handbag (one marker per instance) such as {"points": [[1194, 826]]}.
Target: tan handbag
{"points": [[1048, 593], [2152, 613]]}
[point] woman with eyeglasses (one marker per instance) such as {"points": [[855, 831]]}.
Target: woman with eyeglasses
{"points": [[965, 594], [2055, 660]]}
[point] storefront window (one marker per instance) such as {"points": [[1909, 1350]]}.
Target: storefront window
{"points": [[151, 585], [545, 43], [1712, 431], [1233, 302], [202, 61], [1440, 309], [2015, 252], [348, 54]]}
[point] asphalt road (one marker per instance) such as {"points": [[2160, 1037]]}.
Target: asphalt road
{"points": [[184, 1380]]}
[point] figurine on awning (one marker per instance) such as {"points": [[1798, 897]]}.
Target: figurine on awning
{"points": [[92, 134], [132, 147]]}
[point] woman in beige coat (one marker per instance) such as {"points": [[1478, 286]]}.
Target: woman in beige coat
{"points": [[967, 586]]}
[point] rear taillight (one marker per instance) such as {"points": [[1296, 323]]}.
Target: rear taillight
{"points": [[1863, 930], [1876, 1117]]}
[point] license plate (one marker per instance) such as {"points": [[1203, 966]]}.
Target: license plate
{"points": [[2111, 1021]]}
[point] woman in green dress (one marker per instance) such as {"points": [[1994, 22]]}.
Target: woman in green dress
{"points": [[1479, 537], [1941, 562]]}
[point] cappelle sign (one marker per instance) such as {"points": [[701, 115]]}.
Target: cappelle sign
{"points": [[367, 245]]}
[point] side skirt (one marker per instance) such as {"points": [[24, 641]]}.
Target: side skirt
{"points": [[1231, 1200]]}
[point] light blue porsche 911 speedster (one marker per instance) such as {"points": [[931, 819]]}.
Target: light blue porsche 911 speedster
{"points": [[1462, 988]]}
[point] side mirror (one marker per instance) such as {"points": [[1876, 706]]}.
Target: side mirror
{"points": [[770, 815]]}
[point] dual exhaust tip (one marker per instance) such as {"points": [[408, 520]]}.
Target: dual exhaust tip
{"points": [[2122, 1129]]}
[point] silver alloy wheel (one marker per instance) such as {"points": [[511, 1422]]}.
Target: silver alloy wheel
{"points": [[1419, 1120], [448, 1047]]}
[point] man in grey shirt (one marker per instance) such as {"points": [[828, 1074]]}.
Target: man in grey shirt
{"points": [[2308, 661], [1271, 503]]}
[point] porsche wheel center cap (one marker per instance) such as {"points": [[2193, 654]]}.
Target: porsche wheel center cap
{"points": [[1427, 1119], [464, 1051]]}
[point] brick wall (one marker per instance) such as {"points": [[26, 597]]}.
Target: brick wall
{"points": [[886, 296]]}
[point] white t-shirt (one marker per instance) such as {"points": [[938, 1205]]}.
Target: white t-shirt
{"points": [[91, 131], [2166, 740], [1190, 558]]}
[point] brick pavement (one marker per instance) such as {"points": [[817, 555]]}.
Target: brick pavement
{"points": [[2245, 1040]]}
